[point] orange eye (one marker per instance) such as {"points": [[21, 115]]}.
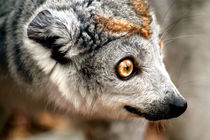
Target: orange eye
{"points": [[125, 68]]}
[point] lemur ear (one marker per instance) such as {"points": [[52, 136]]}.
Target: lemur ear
{"points": [[51, 33], [40, 29]]}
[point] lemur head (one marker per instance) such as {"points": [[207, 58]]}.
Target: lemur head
{"points": [[104, 57]]}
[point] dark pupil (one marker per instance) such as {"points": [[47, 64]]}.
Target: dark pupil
{"points": [[127, 67]]}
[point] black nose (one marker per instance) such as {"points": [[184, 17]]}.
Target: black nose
{"points": [[177, 107]]}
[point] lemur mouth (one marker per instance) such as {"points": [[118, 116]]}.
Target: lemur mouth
{"points": [[133, 110], [137, 111], [156, 116]]}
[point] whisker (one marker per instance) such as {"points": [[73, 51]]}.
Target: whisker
{"points": [[168, 41], [93, 105], [171, 27], [183, 36], [167, 12], [179, 73]]}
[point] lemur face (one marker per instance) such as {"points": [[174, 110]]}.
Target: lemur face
{"points": [[133, 81], [104, 62]]}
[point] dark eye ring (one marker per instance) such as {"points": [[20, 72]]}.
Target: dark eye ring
{"points": [[126, 68]]}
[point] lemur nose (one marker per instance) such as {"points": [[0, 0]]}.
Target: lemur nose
{"points": [[177, 107]]}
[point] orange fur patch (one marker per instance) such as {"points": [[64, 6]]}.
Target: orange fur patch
{"points": [[160, 43], [142, 9], [121, 25]]}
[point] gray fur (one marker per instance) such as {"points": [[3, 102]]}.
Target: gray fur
{"points": [[56, 47]]}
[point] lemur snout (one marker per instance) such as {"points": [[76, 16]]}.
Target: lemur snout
{"points": [[177, 107], [171, 107]]}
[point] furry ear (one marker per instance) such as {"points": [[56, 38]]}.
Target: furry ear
{"points": [[51, 33], [40, 29]]}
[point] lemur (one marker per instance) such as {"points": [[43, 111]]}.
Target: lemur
{"points": [[98, 58]]}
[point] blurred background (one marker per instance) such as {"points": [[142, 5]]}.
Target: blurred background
{"points": [[185, 26], [187, 58]]}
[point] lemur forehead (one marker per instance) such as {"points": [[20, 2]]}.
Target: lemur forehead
{"points": [[123, 26]]}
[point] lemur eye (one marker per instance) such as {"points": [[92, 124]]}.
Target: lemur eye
{"points": [[125, 69]]}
